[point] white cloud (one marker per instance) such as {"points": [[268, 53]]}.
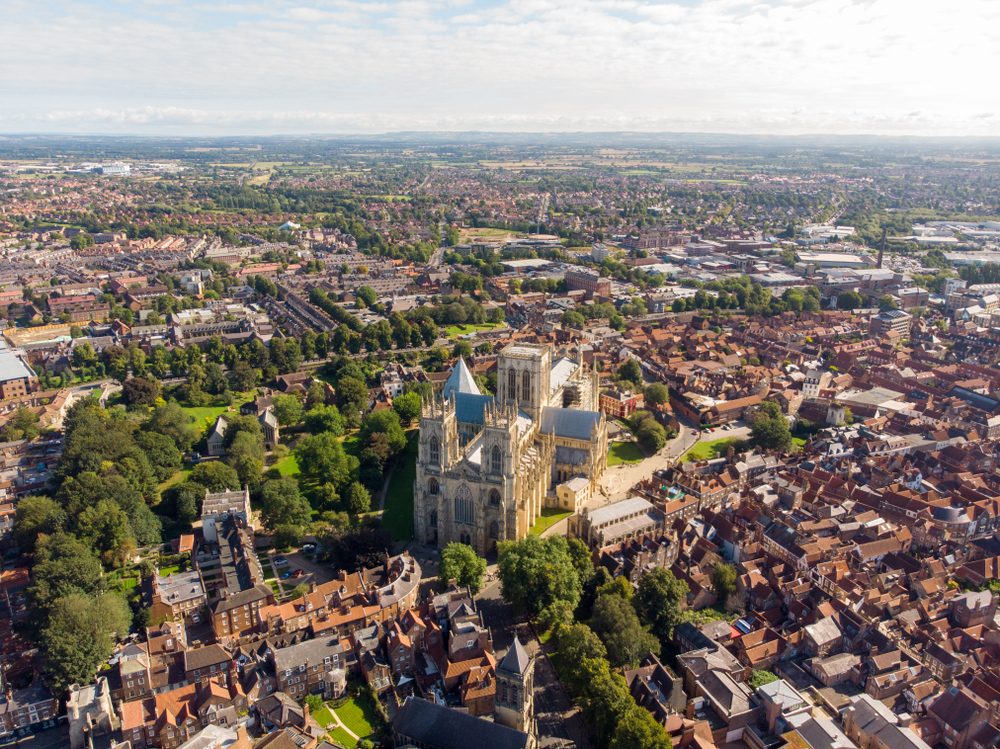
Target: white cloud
{"points": [[785, 66]]}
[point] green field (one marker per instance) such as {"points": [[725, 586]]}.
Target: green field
{"points": [[357, 716], [324, 717], [397, 517], [454, 331], [709, 450], [288, 467], [550, 516], [624, 452], [342, 738]]}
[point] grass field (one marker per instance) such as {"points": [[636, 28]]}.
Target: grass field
{"points": [[342, 738], [708, 450], [357, 716], [454, 331], [397, 517], [176, 478], [288, 467], [205, 416], [550, 516], [624, 452], [324, 717]]}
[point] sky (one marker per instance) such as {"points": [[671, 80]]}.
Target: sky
{"points": [[215, 67]]}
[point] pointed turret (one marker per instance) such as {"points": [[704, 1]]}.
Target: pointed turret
{"points": [[461, 380]]}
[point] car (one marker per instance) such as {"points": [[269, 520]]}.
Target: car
{"points": [[298, 573], [308, 547], [280, 560], [286, 575]]}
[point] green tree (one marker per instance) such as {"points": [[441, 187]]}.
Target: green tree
{"points": [[80, 635], [246, 457], [34, 516], [173, 421], [140, 391], [383, 422], [537, 572], [771, 433], [723, 581], [656, 394], [357, 498], [281, 504], [315, 396], [616, 623], [322, 419], [23, 425], [63, 566], [321, 457], [237, 424], [407, 406], [288, 536], [651, 435], [638, 730], [760, 678], [366, 296], [459, 562], [105, 528], [658, 601], [287, 410], [216, 477], [631, 371], [352, 395], [462, 349]]}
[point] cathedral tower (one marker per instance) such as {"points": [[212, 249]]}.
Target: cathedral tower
{"points": [[523, 377], [514, 703]]}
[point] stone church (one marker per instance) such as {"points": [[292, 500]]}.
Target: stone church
{"points": [[487, 465]]}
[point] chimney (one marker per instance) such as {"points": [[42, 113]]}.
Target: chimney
{"points": [[689, 713], [342, 576], [312, 586]]}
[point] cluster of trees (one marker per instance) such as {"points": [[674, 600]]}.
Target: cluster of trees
{"points": [[649, 432], [578, 317], [769, 428]]}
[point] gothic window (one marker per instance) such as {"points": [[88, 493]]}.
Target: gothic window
{"points": [[526, 385], [494, 529], [513, 695], [494, 497], [434, 518], [505, 691], [435, 451], [433, 487], [464, 507], [496, 460], [512, 384]]}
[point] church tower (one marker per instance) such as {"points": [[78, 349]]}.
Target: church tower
{"points": [[514, 703], [524, 373]]}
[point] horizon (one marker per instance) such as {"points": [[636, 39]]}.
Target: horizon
{"points": [[347, 67]]}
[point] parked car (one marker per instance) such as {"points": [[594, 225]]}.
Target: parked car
{"points": [[287, 575], [280, 560], [308, 548], [298, 573]]}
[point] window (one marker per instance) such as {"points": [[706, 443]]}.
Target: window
{"points": [[435, 451], [512, 384], [494, 530], [496, 464], [464, 509], [494, 497], [526, 385], [433, 487], [434, 518], [513, 695]]}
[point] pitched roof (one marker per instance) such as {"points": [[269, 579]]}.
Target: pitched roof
{"points": [[460, 381], [517, 659], [430, 724], [569, 423]]}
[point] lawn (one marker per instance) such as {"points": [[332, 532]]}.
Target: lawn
{"points": [[176, 478], [357, 716], [205, 416], [454, 331], [342, 738], [550, 516], [268, 572], [288, 467], [324, 717], [172, 570], [397, 517], [624, 452], [708, 450], [351, 443]]}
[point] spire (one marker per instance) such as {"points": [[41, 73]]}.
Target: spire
{"points": [[461, 380], [517, 660]]}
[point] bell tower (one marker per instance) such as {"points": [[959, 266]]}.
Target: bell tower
{"points": [[514, 703], [524, 377]]}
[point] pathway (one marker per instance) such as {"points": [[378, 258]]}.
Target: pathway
{"points": [[340, 723]]}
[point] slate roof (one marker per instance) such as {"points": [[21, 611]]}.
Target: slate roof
{"points": [[469, 407], [569, 423], [431, 725], [460, 381], [517, 660]]}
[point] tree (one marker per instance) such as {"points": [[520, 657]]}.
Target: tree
{"points": [[771, 433], [83, 355], [651, 435], [658, 601], [357, 498], [577, 644], [459, 562], [243, 377], [246, 457], [352, 395], [138, 391], [288, 536], [572, 319], [631, 371], [537, 572], [321, 457], [23, 425], [760, 678], [63, 566], [287, 410], [656, 394], [314, 702], [366, 296], [384, 422], [36, 515], [241, 423], [462, 349], [281, 504], [582, 560], [173, 421], [407, 406], [723, 581], [887, 302], [315, 396], [184, 499], [325, 419], [638, 730], [849, 300], [105, 528], [619, 628], [215, 476], [80, 635], [161, 452]]}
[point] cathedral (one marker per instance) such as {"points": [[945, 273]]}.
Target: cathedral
{"points": [[487, 466]]}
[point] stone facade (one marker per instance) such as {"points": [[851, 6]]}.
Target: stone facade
{"points": [[488, 466]]}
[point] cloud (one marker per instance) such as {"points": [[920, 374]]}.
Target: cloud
{"points": [[787, 65]]}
